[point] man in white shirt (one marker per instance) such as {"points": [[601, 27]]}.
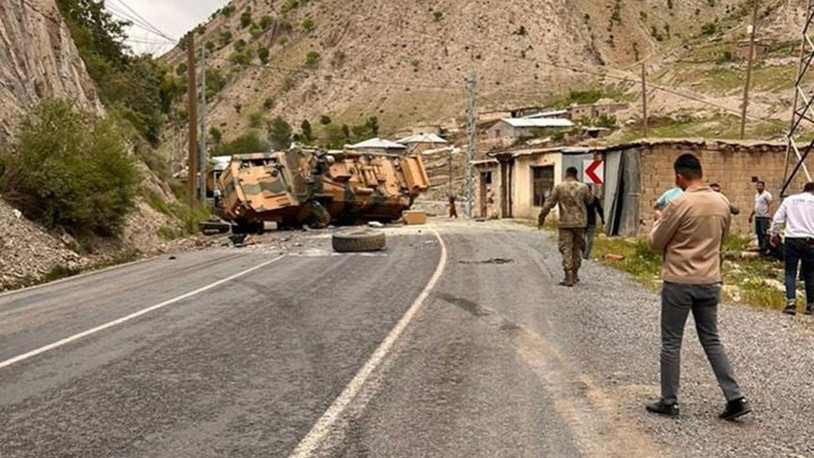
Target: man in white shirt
{"points": [[762, 215], [797, 213]]}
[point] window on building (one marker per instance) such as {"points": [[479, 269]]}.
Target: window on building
{"points": [[543, 183]]}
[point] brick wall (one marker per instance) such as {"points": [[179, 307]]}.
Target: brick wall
{"points": [[732, 165]]}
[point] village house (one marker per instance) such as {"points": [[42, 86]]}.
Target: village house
{"points": [[635, 175], [521, 180], [740, 49], [420, 143], [509, 130], [587, 113]]}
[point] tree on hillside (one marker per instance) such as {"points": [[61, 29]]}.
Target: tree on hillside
{"points": [[279, 133], [307, 132], [247, 143]]}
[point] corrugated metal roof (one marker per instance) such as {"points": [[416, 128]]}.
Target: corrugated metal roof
{"points": [[547, 114], [377, 143], [422, 138], [538, 123]]}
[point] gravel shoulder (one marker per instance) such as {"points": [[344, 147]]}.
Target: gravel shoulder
{"points": [[505, 363]]}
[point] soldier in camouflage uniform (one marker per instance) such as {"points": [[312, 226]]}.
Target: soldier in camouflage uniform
{"points": [[572, 197]]}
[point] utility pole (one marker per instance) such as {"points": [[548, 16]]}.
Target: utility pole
{"points": [[472, 121], [644, 100], [192, 178], [203, 159], [749, 67], [451, 192]]}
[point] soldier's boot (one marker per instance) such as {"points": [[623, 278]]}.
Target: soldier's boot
{"points": [[576, 276], [569, 279]]}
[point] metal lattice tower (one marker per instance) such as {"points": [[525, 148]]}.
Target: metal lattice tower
{"points": [[803, 113]]}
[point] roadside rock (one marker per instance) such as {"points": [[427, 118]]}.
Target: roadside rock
{"points": [[27, 252]]}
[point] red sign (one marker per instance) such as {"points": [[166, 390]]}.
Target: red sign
{"points": [[594, 171]]}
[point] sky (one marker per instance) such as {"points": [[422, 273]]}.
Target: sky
{"points": [[172, 18]]}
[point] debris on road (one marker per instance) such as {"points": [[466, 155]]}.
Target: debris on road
{"points": [[614, 257], [498, 261], [375, 224], [358, 240], [415, 218]]}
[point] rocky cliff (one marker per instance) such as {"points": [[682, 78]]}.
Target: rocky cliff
{"points": [[38, 60]]}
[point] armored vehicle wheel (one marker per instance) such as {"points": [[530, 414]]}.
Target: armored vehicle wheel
{"points": [[358, 240]]}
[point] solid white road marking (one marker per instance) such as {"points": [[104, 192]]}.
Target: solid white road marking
{"points": [[311, 442], [119, 321]]}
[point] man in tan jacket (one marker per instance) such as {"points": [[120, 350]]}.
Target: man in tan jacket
{"points": [[689, 234], [572, 197]]}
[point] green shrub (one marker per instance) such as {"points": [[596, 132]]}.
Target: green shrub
{"points": [[265, 22], [71, 171], [245, 19], [709, 29], [437, 16], [279, 133], [216, 134], [256, 120], [312, 59], [263, 55], [227, 11], [249, 142], [225, 37], [308, 25], [289, 5], [268, 104]]}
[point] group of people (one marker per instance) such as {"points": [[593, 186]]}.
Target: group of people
{"points": [[689, 232]]}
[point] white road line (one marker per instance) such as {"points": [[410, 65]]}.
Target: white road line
{"points": [[119, 321], [311, 442]]}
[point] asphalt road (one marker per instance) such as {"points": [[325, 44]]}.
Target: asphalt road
{"points": [[458, 346]]}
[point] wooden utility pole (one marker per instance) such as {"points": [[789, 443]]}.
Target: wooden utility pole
{"points": [[192, 178], [644, 101], [749, 67]]}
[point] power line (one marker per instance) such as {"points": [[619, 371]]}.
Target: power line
{"points": [[583, 71], [145, 21]]}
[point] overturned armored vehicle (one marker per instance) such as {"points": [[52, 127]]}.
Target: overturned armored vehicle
{"points": [[315, 188]]}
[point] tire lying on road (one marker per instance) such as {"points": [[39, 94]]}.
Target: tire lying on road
{"points": [[358, 240]]}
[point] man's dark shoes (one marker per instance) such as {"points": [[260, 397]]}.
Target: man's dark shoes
{"points": [[810, 309], [791, 307], [661, 408], [735, 409]]}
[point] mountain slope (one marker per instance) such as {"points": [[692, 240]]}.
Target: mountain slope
{"points": [[407, 62]]}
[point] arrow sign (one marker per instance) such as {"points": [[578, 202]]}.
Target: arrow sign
{"points": [[593, 171]]}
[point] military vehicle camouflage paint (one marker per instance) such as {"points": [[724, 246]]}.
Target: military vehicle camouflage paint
{"points": [[316, 188]]}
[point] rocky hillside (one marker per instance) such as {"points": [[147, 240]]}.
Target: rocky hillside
{"points": [[38, 60], [407, 62]]}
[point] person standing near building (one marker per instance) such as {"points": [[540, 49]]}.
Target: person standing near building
{"points": [[732, 208], [762, 215], [572, 197], [453, 212], [689, 235], [592, 208], [797, 214]]}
